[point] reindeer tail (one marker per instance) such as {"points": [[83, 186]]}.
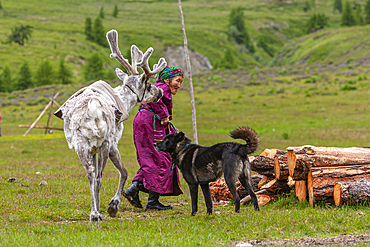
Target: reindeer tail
{"points": [[249, 136]]}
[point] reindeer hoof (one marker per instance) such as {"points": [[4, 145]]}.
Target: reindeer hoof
{"points": [[113, 208], [96, 218]]}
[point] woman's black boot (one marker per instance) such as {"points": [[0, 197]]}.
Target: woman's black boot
{"points": [[132, 193], [153, 202]]}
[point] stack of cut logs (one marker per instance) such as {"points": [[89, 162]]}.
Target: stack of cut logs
{"points": [[317, 174]]}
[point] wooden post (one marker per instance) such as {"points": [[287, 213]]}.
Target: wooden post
{"points": [[192, 101], [37, 119], [41, 114]]}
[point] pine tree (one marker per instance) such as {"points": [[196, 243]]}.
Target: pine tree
{"points": [[115, 11], [316, 22], [6, 80], [88, 29], [44, 74], [98, 32], [347, 16], [338, 6], [367, 12], [64, 74], [101, 13], [25, 77], [228, 60], [359, 18], [237, 28], [94, 69], [306, 6], [2, 86]]}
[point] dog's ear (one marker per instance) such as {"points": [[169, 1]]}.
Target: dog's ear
{"points": [[180, 136]]}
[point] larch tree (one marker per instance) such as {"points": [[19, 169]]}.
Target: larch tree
{"points": [[94, 68], [115, 11], [64, 75], [237, 28], [347, 16], [99, 33], [338, 6], [88, 29], [367, 12], [44, 74], [24, 77]]}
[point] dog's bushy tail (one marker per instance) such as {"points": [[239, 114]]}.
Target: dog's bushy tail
{"points": [[249, 136]]}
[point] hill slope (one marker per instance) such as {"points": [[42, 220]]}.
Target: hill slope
{"points": [[58, 30]]}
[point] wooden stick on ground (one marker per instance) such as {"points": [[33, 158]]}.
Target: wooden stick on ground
{"points": [[248, 197]]}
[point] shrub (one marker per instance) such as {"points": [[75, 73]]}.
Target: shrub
{"points": [[20, 34], [316, 22]]}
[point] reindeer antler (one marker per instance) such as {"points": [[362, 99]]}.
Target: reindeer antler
{"points": [[112, 37], [156, 68]]}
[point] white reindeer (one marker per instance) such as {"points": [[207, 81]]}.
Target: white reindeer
{"points": [[93, 119]]}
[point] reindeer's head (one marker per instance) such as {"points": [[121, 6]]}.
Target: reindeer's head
{"points": [[138, 84]]}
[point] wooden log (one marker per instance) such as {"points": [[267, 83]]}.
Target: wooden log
{"points": [[349, 152], [39, 127], [263, 199], [263, 165], [300, 160], [281, 167], [321, 180], [300, 190], [276, 186], [262, 182], [270, 153], [220, 191], [352, 193], [247, 198]]}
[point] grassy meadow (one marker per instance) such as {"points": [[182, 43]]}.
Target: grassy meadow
{"points": [[287, 106], [58, 31], [314, 91]]}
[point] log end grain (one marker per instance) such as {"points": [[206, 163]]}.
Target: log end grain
{"points": [[337, 194]]}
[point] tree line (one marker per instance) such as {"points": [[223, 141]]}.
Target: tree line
{"points": [[353, 14], [45, 74]]}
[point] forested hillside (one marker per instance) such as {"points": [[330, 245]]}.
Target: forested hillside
{"points": [[64, 40]]}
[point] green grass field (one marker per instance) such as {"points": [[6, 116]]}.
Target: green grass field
{"points": [[315, 91], [285, 107], [58, 31]]}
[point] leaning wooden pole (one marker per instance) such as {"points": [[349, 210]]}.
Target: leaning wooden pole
{"points": [[192, 101]]}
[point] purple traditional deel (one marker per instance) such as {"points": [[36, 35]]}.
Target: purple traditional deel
{"points": [[155, 166]]}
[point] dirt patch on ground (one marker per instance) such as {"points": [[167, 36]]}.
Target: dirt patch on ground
{"points": [[341, 240]]}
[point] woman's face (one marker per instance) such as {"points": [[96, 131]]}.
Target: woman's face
{"points": [[174, 83]]}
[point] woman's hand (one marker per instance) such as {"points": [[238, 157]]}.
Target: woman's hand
{"points": [[165, 121]]}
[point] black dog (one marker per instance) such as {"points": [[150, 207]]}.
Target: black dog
{"points": [[201, 165]]}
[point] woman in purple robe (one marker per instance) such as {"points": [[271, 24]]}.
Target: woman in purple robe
{"points": [[151, 124]]}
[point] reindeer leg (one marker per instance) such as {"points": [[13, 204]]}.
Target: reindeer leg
{"points": [[89, 163], [115, 157], [102, 162]]}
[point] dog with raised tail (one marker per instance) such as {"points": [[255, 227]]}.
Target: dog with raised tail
{"points": [[201, 165]]}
